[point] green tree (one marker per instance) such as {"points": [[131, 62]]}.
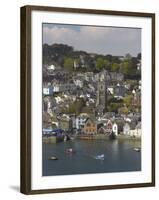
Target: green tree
{"points": [[129, 65], [102, 63], [76, 107], [115, 67], [123, 110], [126, 67], [113, 107], [68, 64], [128, 100]]}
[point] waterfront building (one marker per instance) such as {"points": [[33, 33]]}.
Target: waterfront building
{"points": [[90, 127], [107, 127], [137, 131], [126, 129], [115, 129], [80, 120], [129, 128]]}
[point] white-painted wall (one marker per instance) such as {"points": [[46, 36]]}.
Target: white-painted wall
{"points": [[115, 129]]}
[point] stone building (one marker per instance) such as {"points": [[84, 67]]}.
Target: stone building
{"points": [[101, 101]]}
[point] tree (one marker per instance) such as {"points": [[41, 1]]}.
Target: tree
{"points": [[128, 67], [123, 110], [113, 107], [115, 67], [102, 63], [76, 107], [68, 64], [107, 65], [128, 100]]}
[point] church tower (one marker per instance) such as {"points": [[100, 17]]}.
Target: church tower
{"points": [[101, 102]]}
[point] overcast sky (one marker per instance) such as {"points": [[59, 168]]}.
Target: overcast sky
{"points": [[102, 40]]}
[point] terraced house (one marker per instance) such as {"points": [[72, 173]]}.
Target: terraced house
{"points": [[90, 127]]}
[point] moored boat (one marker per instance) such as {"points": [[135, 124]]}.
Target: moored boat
{"points": [[69, 151], [137, 149], [99, 157], [53, 158]]}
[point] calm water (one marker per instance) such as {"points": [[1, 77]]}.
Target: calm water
{"points": [[119, 156]]}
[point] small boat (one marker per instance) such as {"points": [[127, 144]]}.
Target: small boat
{"points": [[99, 157], [53, 158], [69, 151], [137, 149]]}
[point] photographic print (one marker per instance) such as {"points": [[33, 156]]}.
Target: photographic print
{"points": [[91, 99], [87, 99]]}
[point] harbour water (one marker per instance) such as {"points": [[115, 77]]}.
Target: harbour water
{"points": [[119, 156]]}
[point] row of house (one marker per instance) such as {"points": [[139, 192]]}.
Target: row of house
{"points": [[89, 125], [132, 130]]}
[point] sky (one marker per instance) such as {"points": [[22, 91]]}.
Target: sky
{"points": [[95, 39]]}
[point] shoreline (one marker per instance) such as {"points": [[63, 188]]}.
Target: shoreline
{"points": [[54, 139]]}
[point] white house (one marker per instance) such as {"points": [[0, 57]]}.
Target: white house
{"points": [[115, 129], [80, 120], [132, 130], [126, 129], [137, 131]]}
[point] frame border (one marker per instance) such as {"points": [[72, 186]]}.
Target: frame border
{"points": [[25, 96]]}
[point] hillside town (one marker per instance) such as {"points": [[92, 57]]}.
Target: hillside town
{"points": [[91, 99]]}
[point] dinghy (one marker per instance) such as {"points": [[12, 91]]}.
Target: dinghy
{"points": [[99, 157]]}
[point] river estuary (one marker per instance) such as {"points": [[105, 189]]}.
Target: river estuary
{"points": [[119, 156]]}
